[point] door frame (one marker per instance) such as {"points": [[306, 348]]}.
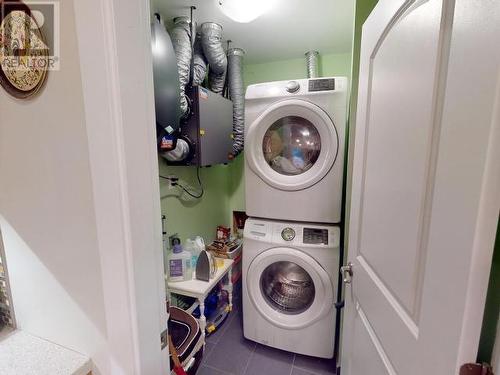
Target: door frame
{"points": [[114, 43], [464, 56]]}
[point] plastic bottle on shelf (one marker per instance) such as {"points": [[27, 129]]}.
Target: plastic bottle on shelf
{"points": [[179, 263], [191, 247], [195, 247]]}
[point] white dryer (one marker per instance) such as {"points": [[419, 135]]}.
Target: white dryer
{"points": [[290, 273], [294, 149]]}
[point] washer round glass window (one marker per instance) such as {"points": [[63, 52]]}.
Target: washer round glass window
{"points": [[291, 145], [287, 287]]}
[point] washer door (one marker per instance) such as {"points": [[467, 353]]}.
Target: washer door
{"points": [[292, 145], [289, 288]]}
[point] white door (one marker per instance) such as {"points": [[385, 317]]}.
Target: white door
{"points": [[425, 185], [293, 144]]}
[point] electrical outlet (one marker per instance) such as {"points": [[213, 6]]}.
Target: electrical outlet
{"points": [[173, 181]]}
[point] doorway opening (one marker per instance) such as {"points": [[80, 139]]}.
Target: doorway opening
{"points": [[7, 319]]}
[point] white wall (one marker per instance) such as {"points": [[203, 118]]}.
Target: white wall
{"points": [[47, 210], [80, 225]]}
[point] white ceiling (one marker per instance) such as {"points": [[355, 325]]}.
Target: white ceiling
{"points": [[290, 29]]}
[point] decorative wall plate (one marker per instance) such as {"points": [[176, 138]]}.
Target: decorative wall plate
{"points": [[24, 55]]}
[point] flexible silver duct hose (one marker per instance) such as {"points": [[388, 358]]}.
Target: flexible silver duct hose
{"points": [[211, 41], [179, 153], [181, 35], [199, 62], [312, 64], [237, 95]]}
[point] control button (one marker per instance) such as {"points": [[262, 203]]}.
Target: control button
{"points": [[288, 234], [292, 86]]}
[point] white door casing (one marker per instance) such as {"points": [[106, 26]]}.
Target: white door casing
{"points": [[323, 124], [425, 187], [114, 42]]}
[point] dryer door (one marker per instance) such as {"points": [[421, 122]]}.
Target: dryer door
{"points": [[289, 288], [292, 145]]}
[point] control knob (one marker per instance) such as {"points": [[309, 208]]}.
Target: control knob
{"points": [[288, 234], [292, 86]]}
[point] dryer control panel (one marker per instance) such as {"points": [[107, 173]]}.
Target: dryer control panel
{"points": [[298, 87], [322, 84], [315, 236]]}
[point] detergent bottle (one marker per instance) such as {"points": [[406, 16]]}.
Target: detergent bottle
{"points": [[179, 263]]}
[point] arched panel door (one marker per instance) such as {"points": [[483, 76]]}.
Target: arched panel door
{"points": [[425, 186]]}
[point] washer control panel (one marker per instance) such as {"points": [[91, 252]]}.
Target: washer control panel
{"points": [[288, 234], [315, 236], [292, 233]]}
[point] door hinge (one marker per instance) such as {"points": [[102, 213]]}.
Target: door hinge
{"points": [[476, 369], [164, 339]]}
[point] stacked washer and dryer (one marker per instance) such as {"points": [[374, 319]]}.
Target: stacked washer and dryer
{"points": [[294, 165]]}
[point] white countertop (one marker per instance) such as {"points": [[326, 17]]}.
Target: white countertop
{"points": [[24, 354], [199, 288]]}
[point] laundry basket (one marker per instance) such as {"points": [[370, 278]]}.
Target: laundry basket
{"points": [[187, 339]]}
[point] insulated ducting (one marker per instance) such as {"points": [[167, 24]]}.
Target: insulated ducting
{"points": [[181, 39], [179, 153], [312, 64], [211, 41], [199, 62], [237, 95]]}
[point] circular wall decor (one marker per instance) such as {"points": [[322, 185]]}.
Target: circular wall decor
{"points": [[24, 55]]}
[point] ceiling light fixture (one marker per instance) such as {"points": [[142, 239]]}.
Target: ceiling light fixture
{"points": [[244, 11]]}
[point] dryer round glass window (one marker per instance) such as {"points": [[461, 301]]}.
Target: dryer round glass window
{"points": [[291, 145], [287, 287]]}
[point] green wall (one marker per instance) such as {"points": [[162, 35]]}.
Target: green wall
{"points": [[330, 65], [236, 191], [492, 308], [224, 185], [188, 216]]}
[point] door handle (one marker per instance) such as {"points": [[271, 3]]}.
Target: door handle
{"points": [[347, 273]]}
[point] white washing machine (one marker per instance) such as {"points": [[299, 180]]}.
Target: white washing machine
{"points": [[294, 149], [290, 273]]}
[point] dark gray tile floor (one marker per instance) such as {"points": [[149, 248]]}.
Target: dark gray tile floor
{"points": [[227, 352]]}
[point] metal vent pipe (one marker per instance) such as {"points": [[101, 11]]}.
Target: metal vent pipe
{"points": [[181, 40], [237, 95], [199, 62], [211, 41], [312, 64]]}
